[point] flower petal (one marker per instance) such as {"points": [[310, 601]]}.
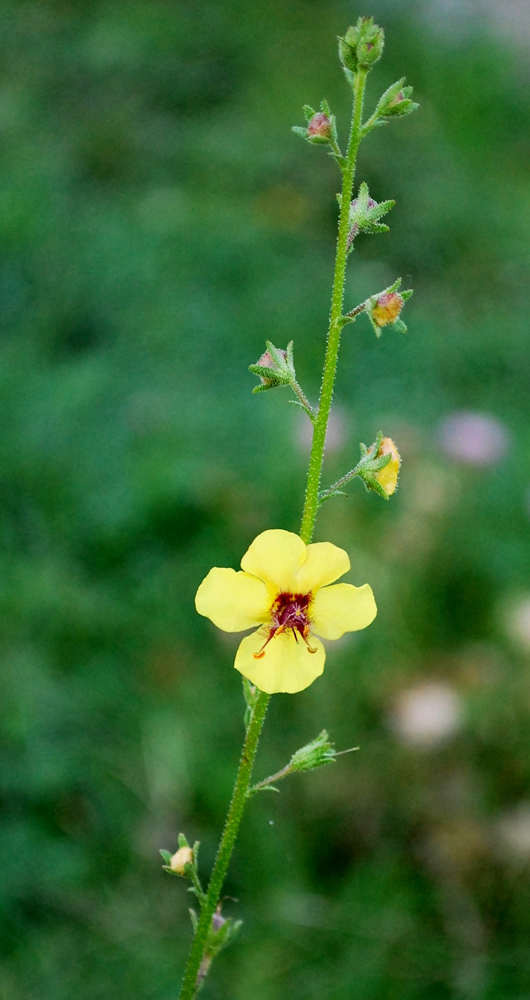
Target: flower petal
{"points": [[274, 557], [325, 563], [233, 601], [342, 608], [286, 666]]}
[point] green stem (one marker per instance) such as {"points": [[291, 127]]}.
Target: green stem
{"points": [[311, 504], [235, 812], [337, 300]]}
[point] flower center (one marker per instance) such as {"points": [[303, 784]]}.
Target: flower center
{"points": [[289, 611]]}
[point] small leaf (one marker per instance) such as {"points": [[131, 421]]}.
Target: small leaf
{"points": [[166, 856]]}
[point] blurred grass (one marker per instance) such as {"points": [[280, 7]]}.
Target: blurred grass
{"points": [[158, 221]]}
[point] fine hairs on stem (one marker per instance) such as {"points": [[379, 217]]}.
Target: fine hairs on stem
{"points": [[299, 612]]}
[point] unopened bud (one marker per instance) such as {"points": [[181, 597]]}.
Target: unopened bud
{"points": [[356, 203], [387, 308], [319, 127], [267, 361], [362, 45], [183, 857], [388, 475], [218, 920], [397, 99]]}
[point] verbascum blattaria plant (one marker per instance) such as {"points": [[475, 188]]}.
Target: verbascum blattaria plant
{"points": [[286, 589]]}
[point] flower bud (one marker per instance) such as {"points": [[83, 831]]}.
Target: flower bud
{"points": [[387, 477], [183, 857], [275, 367], [386, 308], [319, 128], [362, 45], [218, 920]]}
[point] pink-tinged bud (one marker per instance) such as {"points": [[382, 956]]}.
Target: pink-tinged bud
{"points": [[369, 204], [218, 920], [388, 475], [319, 126], [397, 99], [183, 857], [267, 361], [387, 308]]}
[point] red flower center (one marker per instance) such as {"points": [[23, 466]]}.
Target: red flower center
{"points": [[289, 611]]}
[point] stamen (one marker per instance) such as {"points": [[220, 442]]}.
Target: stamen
{"points": [[261, 652], [289, 613]]}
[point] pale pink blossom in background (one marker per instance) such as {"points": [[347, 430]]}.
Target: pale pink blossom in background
{"points": [[427, 714], [513, 830], [518, 622], [474, 438], [337, 432]]}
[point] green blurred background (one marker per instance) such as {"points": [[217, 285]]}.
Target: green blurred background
{"points": [[159, 221]]}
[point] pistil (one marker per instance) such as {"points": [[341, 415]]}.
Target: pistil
{"points": [[289, 611]]}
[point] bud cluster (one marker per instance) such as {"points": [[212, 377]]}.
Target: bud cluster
{"points": [[361, 46]]}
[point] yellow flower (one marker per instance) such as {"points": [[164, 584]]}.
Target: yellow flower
{"points": [[284, 588]]}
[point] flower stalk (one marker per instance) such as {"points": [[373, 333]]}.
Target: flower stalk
{"points": [[304, 605], [314, 474], [226, 846]]}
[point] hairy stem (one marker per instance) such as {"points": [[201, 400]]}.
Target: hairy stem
{"points": [[233, 819], [337, 299], [190, 982], [297, 389]]}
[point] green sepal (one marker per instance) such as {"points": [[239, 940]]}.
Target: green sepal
{"points": [[372, 484], [318, 140], [182, 840], [335, 493], [264, 788], [399, 325], [219, 938], [251, 695], [317, 753], [309, 112], [407, 294], [273, 377], [166, 856], [299, 130], [262, 388], [340, 160]]}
